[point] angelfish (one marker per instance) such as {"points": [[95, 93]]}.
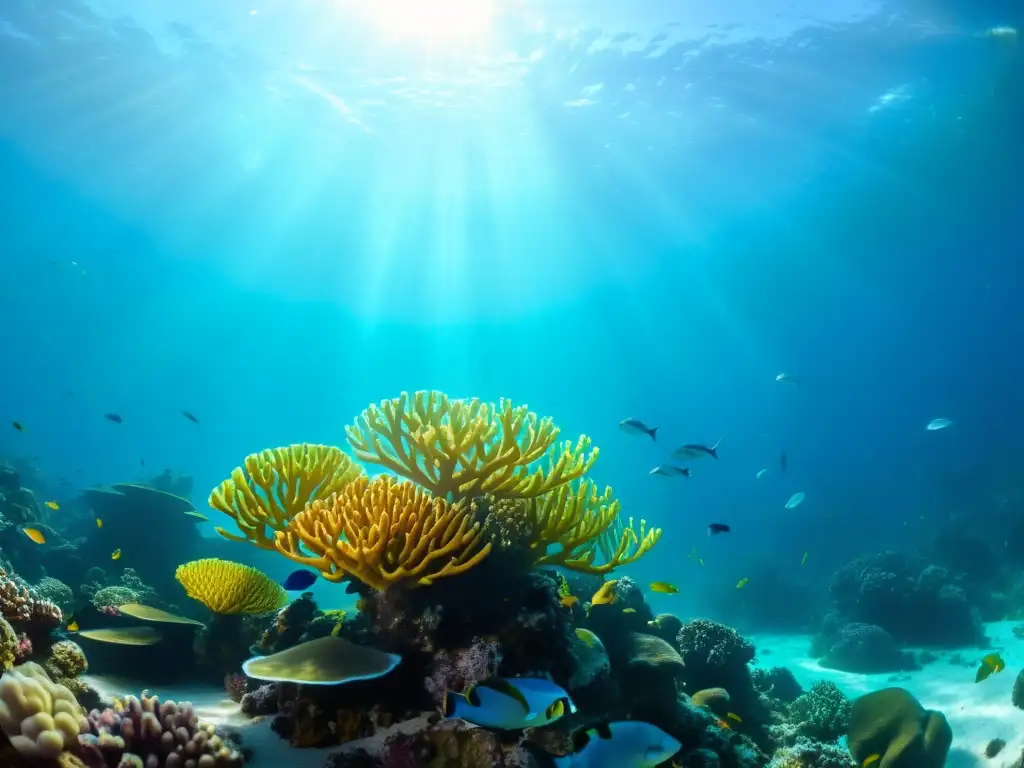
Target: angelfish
{"points": [[509, 703]]}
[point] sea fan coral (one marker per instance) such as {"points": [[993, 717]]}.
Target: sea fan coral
{"points": [[277, 484], [230, 588], [385, 532]]}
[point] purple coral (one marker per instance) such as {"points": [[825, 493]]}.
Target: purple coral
{"points": [[147, 734], [457, 670]]}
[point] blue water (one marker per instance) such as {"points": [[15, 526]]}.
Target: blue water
{"points": [[599, 209]]}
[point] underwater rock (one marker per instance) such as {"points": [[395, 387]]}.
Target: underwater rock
{"points": [[290, 627], [866, 649], [1018, 690], [591, 663], [10, 480], [666, 626], [893, 724], [994, 747], [776, 683]]}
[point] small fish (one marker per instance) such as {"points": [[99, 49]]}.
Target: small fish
{"points": [[629, 610], [783, 462], [1004, 33], [35, 534], [605, 595], [937, 424], [722, 724], [760, 474], [99, 522], [621, 744], [17, 426], [696, 451], [803, 560], [73, 626], [113, 417], [785, 378], [700, 561], [664, 587], [569, 601], [990, 665], [189, 416], [796, 500], [116, 555], [670, 470], [716, 528], [870, 759], [299, 580], [637, 427], [52, 504], [742, 583], [588, 637], [197, 515], [734, 717]]}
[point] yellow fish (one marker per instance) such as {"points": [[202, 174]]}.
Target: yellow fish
{"points": [[569, 602], [52, 504], [99, 522], [35, 534], [990, 664], [734, 716], [73, 626], [742, 583], [605, 595], [116, 555], [664, 587], [803, 559], [870, 759], [587, 637], [629, 610]]}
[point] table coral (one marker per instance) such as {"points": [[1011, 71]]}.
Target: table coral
{"points": [[277, 484], [464, 448]]}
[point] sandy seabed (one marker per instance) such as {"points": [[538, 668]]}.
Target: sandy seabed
{"points": [[977, 712]]}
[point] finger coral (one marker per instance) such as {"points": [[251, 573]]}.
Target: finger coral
{"points": [[568, 526], [230, 588], [38, 716], [464, 448], [385, 532], [274, 485]]}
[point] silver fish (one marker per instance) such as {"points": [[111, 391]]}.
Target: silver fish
{"points": [[696, 451], [637, 427], [670, 470]]}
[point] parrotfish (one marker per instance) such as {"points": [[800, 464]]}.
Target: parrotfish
{"points": [[622, 744], [637, 427], [509, 703]]}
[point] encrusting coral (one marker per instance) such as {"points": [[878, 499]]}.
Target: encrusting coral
{"points": [[230, 588], [465, 448], [385, 532], [277, 484]]}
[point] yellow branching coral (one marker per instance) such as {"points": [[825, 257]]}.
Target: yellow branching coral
{"points": [[385, 532], [230, 588], [277, 484], [464, 448], [578, 522]]}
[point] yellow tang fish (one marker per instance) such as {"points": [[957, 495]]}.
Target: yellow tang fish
{"points": [[73, 626], [569, 601], [52, 504], [587, 637], [605, 595], [870, 759], [116, 555], [35, 534], [742, 583], [664, 587], [99, 522], [734, 716], [803, 559], [629, 610], [990, 664]]}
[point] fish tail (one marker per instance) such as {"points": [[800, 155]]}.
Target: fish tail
{"points": [[713, 450], [654, 434]]}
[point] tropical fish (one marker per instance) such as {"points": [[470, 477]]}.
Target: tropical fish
{"points": [[116, 555], [629, 610], [796, 500], [622, 744], [990, 665], [785, 378], [733, 716], [870, 760], [669, 470], [664, 587], [113, 417], [569, 601], [760, 474], [937, 424], [803, 560], [696, 451], [605, 595], [17, 426], [588, 637], [35, 534], [742, 583], [716, 528], [72, 626], [783, 462], [99, 522], [52, 504], [296, 581], [189, 416], [636, 427], [508, 703]]}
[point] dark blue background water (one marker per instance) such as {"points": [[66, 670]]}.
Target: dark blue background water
{"points": [[734, 202]]}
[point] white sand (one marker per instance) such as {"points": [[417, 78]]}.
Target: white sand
{"points": [[977, 712]]}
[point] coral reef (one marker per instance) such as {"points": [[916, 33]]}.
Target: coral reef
{"points": [[56, 592], [916, 603], [229, 588], [821, 714], [806, 753], [864, 649]]}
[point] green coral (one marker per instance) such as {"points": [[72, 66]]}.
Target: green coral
{"points": [[823, 713], [893, 724]]}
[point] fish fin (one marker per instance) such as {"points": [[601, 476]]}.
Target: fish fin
{"points": [[713, 450], [654, 434], [603, 731], [508, 688]]}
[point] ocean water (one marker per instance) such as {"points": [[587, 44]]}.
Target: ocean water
{"points": [[272, 213]]}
